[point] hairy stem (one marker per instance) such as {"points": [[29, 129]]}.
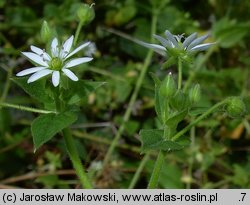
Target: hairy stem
{"points": [[24, 108], [79, 27], [179, 73], [75, 159], [139, 170], [157, 170], [197, 120]]}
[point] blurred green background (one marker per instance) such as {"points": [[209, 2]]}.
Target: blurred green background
{"points": [[219, 157]]}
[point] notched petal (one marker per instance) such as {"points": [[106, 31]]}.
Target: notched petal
{"points": [[202, 47], [197, 41], [70, 74], [56, 78], [29, 71], [35, 58], [77, 61], [171, 38], [189, 39], [77, 50], [162, 40], [39, 75]]}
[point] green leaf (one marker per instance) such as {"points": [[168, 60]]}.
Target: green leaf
{"points": [[160, 101], [46, 126], [180, 101], [80, 89], [229, 32], [125, 14], [91, 86], [172, 178], [152, 139], [35, 89], [176, 118], [158, 104]]}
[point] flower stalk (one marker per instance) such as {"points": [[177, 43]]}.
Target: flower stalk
{"points": [[77, 164]]}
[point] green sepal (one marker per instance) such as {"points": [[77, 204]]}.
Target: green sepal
{"points": [[152, 139], [47, 126], [176, 118], [35, 89], [180, 101]]}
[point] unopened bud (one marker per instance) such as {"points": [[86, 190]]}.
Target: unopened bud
{"points": [[195, 94], [86, 13], [168, 87], [235, 107], [46, 32], [179, 101]]}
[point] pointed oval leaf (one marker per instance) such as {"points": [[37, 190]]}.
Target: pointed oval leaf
{"points": [[47, 126]]}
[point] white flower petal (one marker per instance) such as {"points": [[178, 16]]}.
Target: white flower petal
{"points": [[77, 61], [77, 49], [36, 50], [68, 44], [171, 38], [201, 47], [39, 75], [41, 53], [197, 41], [54, 48], [55, 78], [70, 74], [30, 70], [35, 58], [189, 40], [162, 40], [157, 48]]}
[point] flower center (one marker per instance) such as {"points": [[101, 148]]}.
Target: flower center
{"points": [[56, 63]]}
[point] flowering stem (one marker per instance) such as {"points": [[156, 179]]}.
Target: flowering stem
{"points": [[72, 151], [197, 120], [133, 97], [29, 109], [160, 159], [139, 170], [79, 27], [179, 73], [75, 159], [157, 170]]}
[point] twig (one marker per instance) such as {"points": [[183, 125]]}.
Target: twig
{"points": [[32, 175]]}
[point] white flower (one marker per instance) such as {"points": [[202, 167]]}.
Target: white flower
{"points": [[56, 63], [190, 44]]}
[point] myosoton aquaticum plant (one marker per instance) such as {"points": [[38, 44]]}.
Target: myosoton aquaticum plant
{"points": [[173, 103], [53, 82]]}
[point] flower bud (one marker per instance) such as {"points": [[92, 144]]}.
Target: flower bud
{"points": [[168, 86], [46, 32], [235, 107], [179, 101], [195, 94], [85, 13]]}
